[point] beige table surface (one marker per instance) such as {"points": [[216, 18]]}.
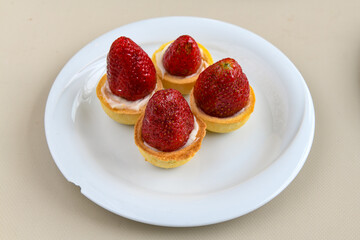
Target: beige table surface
{"points": [[322, 38]]}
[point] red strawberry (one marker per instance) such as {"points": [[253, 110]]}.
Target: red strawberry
{"points": [[183, 57], [130, 72], [168, 121], [222, 89]]}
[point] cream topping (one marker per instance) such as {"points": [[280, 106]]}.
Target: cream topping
{"points": [[159, 56], [191, 139], [117, 102], [239, 112], [234, 115]]}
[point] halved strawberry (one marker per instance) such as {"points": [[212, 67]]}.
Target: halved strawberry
{"points": [[168, 121], [183, 57], [222, 89], [130, 71]]}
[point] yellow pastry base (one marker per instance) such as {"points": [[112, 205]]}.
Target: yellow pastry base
{"points": [[124, 116], [183, 85], [169, 159], [224, 125]]}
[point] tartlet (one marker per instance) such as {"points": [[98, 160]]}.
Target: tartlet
{"points": [[168, 159], [182, 84], [228, 124], [125, 115]]}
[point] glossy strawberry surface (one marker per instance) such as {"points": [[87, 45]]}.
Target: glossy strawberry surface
{"points": [[130, 72], [222, 89], [182, 57], [168, 121]]}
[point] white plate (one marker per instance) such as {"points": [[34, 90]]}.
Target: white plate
{"points": [[230, 176]]}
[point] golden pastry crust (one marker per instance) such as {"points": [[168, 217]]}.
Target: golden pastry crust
{"points": [[124, 116], [183, 85], [224, 125], [169, 159]]}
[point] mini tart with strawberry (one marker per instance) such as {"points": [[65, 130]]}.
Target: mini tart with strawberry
{"points": [[224, 125], [222, 97], [129, 83], [178, 63], [167, 134]]}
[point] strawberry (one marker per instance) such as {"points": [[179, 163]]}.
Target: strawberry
{"points": [[168, 121], [183, 57], [222, 89], [130, 72]]}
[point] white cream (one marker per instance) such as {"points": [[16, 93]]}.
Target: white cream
{"points": [[117, 102], [234, 115], [239, 112], [192, 136], [191, 139], [159, 57]]}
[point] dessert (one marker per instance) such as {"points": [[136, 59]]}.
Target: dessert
{"points": [[129, 83], [167, 133], [222, 97], [179, 63]]}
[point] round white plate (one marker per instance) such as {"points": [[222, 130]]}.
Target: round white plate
{"points": [[231, 175]]}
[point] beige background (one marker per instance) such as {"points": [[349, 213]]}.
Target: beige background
{"points": [[37, 38]]}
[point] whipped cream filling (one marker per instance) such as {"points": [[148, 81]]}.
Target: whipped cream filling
{"points": [[117, 102], [239, 112], [234, 115], [159, 62], [191, 139]]}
